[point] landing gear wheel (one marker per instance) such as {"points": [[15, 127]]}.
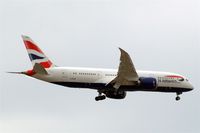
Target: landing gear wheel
{"points": [[100, 97], [178, 98]]}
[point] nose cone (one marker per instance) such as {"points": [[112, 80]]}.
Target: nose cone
{"points": [[190, 87]]}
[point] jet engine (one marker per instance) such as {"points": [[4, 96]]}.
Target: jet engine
{"points": [[148, 82], [116, 95]]}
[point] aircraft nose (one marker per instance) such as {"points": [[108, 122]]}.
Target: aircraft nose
{"points": [[190, 87]]}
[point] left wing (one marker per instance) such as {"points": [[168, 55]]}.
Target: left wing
{"points": [[127, 74]]}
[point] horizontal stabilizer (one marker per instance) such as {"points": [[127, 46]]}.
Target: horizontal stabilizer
{"points": [[38, 68]]}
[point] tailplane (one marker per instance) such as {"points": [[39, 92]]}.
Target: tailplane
{"points": [[35, 54]]}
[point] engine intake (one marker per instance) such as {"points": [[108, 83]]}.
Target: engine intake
{"points": [[148, 82]]}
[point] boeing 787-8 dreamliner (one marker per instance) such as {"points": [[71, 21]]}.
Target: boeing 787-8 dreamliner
{"points": [[109, 83]]}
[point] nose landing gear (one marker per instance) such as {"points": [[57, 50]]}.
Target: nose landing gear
{"points": [[178, 97]]}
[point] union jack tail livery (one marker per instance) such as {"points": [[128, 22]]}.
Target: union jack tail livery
{"points": [[35, 54]]}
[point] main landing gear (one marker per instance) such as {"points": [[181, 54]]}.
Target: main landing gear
{"points": [[100, 97], [178, 97]]}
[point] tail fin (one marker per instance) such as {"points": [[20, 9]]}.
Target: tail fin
{"points": [[35, 54]]}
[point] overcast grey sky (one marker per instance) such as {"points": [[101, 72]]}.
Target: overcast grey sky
{"points": [[158, 34]]}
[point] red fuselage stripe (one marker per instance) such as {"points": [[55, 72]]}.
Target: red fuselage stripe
{"points": [[174, 76]]}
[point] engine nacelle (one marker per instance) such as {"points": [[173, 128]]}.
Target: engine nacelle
{"points": [[148, 82], [116, 95]]}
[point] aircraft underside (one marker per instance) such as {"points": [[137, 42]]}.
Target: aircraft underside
{"points": [[111, 92], [99, 86]]}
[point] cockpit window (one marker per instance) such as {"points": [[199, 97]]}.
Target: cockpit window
{"points": [[181, 79]]}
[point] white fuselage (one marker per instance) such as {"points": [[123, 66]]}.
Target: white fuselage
{"points": [[98, 78]]}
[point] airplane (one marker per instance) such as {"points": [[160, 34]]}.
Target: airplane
{"points": [[109, 83]]}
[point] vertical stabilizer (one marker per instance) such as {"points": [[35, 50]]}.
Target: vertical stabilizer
{"points": [[35, 54]]}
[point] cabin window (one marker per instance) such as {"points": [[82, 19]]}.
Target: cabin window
{"points": [[110, 75], [86, 73]]}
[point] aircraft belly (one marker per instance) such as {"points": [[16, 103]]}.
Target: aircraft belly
{"points": [[81, 85]]}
